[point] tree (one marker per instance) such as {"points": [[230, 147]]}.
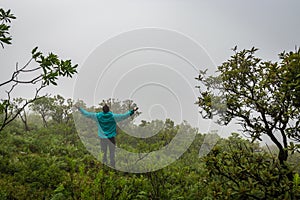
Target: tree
{"points": [[44, 73], [23, 115], [262, 96], [43, 106], [61, 109]]}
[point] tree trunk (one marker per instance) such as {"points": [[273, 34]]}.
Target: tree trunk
{"points": [[282, 156], [44, 121], [24, 120]]}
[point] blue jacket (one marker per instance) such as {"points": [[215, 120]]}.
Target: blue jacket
{"points": [[107, 127]]}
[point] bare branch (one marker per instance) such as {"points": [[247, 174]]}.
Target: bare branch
{"points": [[9, 118]]}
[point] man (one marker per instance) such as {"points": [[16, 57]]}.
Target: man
{"points": [[107, 129]]}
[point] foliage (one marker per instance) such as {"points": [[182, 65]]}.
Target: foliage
{"points": [[262, 96], [5, 18], [241, 170], [45, 72], [52, 163], [56, 108]]}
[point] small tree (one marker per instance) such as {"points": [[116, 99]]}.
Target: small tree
{"points": [[43, 106], [262, 96], [61, 109], [57, 109], [23, 114]]}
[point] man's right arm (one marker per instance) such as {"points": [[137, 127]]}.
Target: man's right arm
{"points": [[87, 114]]}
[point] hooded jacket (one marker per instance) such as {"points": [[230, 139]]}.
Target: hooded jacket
{"points": [[107, 126]]}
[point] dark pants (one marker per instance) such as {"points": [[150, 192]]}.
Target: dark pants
{"points": [[108, 143]]}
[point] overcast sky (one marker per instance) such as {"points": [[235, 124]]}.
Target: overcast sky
{"points": [[86, 30]]}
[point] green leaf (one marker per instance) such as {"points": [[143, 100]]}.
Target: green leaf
{"points": [[34, 50], [296, 180]]}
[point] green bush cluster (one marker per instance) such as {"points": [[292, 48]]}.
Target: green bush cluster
{"points": [[52, 163]]}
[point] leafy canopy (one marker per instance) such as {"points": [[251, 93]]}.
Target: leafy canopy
{"points": [[262, 95]]}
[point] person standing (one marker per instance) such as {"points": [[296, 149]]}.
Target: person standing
{"points": [[107, 129]]}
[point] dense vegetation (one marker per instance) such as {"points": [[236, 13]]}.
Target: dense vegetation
{"points": [[42, 156], [49, 161]]}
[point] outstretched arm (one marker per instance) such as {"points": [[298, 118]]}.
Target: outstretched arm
{"points": [[120, 117], [87, 114]]}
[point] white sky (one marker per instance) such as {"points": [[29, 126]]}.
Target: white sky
{"points": [[74, 29]]}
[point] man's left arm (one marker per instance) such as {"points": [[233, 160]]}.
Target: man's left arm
{"points": [[120, 117]]}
